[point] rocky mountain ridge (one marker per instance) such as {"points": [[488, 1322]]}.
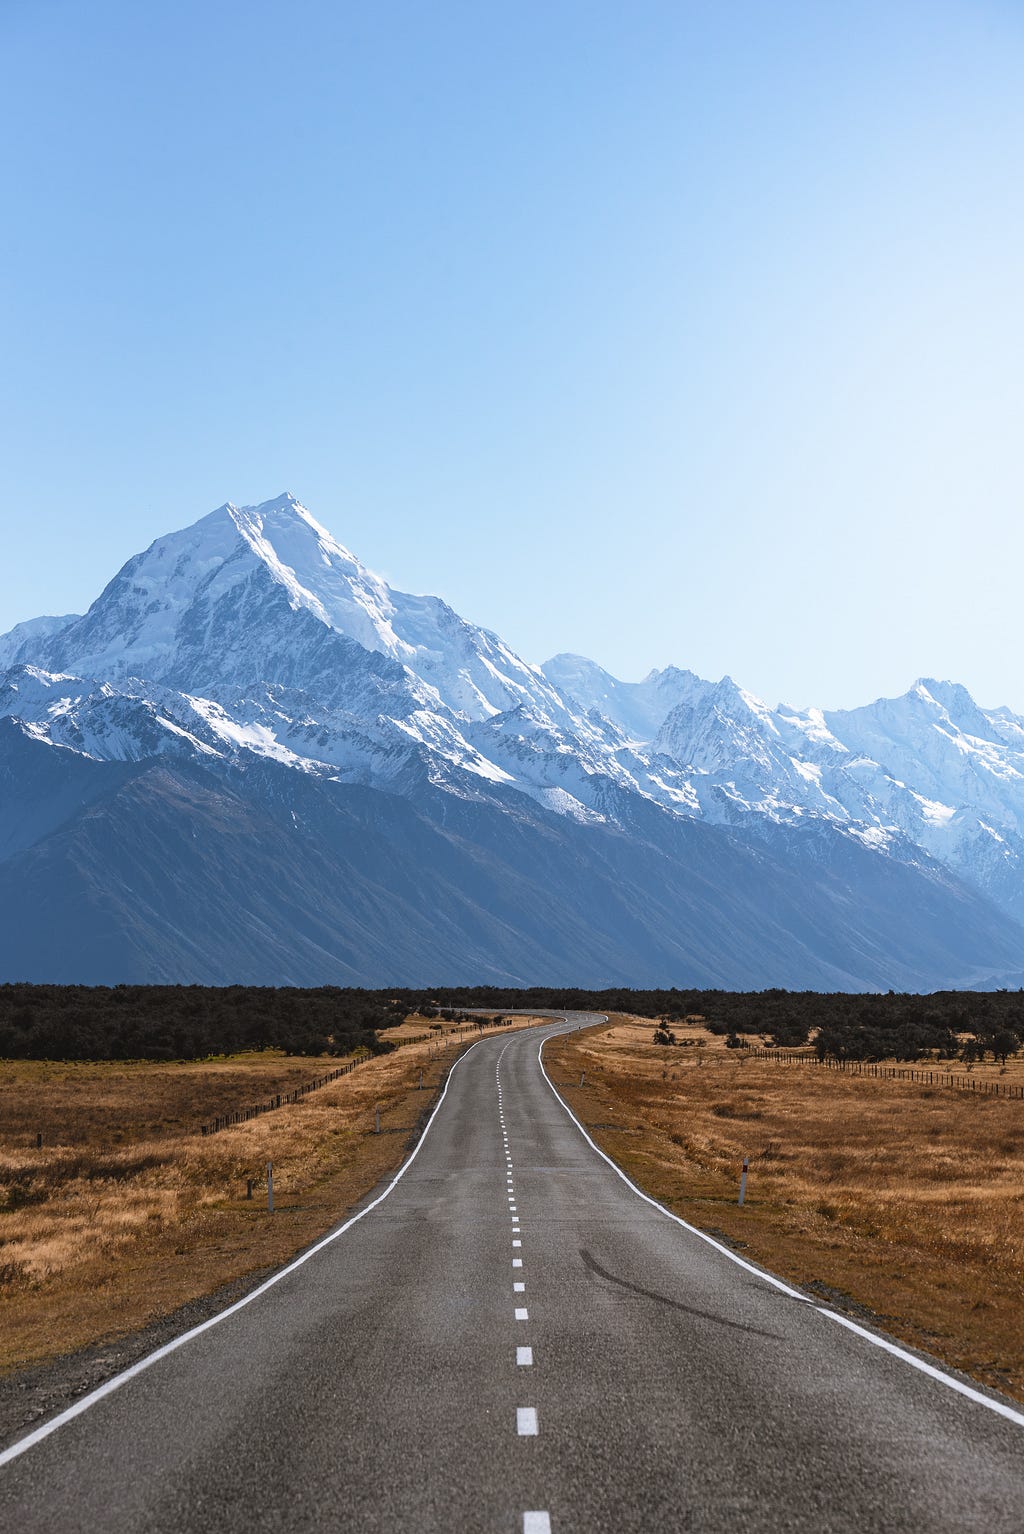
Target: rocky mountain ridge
{"points": [[253, 657]]}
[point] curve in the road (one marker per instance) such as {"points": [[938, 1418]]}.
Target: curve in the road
{"points": [[522, 1342], [992, 1403]]}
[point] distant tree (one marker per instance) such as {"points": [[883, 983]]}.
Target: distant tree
{"points": [[1003, 1043]]}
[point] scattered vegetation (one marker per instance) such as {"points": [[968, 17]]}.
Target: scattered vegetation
{"points": [[967, 1025]]}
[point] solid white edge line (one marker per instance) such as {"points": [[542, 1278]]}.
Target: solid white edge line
{"points": [[109, 1386], [861, 1331]]}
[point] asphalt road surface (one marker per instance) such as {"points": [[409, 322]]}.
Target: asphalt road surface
{"points": [[513, 1339]]}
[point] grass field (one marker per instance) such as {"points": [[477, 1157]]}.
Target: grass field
{"points": [[904, 1199], [127, 1212]]}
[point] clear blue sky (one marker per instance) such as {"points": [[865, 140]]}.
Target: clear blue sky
{"points": [[664, 332]]}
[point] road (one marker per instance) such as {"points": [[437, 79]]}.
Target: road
{"points": [[512, 1339]]}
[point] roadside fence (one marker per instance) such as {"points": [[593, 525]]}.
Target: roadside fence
{"points": [[891, 1072], [255, 1110], [243, 1115]]}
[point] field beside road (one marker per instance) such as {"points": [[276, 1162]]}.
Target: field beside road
{"points": [[127, 1212], [895, 1200]]}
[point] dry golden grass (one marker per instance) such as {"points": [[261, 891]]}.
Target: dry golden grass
{"points": [[127, 1212], [907, 1198]]}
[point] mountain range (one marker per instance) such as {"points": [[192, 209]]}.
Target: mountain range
{"points": [[253, 761]]}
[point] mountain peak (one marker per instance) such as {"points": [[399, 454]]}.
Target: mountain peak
{"points": [[212, 599]]}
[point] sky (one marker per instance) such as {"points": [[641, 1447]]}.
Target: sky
{"points": [[666, 333]]}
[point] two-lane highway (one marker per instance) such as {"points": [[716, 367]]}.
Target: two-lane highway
{"points": [[512, 1339]]}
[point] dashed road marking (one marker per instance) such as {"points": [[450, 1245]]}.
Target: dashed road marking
{"points": [[524, 1357], [517, 1243], [526, 1421], [518, 1288], [522, 1314], [536, 1523], [517, 1262]]}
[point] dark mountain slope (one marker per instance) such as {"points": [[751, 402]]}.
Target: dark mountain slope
{"points": [[259, 874]]}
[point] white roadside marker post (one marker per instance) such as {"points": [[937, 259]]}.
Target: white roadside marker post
{"points": [[743, 1180], [270, 1186]]}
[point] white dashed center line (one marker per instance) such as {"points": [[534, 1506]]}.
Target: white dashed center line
{"points": [[526, 1421], [522, 1314], [517, 1243], [524, 1357], [517, 1262], [536, 1523], [518, 1288]]}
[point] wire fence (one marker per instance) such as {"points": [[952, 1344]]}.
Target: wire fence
{"points": [[891, 1072], [243, 1115], [280, 1099]]}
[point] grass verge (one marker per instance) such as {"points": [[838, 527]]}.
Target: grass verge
{"points": [[126, 1213], [895, 1201]]}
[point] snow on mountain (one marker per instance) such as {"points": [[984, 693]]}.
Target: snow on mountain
{"points": [[175, 612], [25, 637], [930, 769], [255, 634], [638, 708], [299, 650]]}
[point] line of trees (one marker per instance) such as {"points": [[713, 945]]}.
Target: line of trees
{"points": [[188, 1022], [964, 1025], [168, 1022]]}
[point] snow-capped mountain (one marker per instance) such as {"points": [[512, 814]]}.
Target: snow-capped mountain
{"points": [[192, 611], [930, 769], [258, 622], [249, 670], [25, 637]]}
